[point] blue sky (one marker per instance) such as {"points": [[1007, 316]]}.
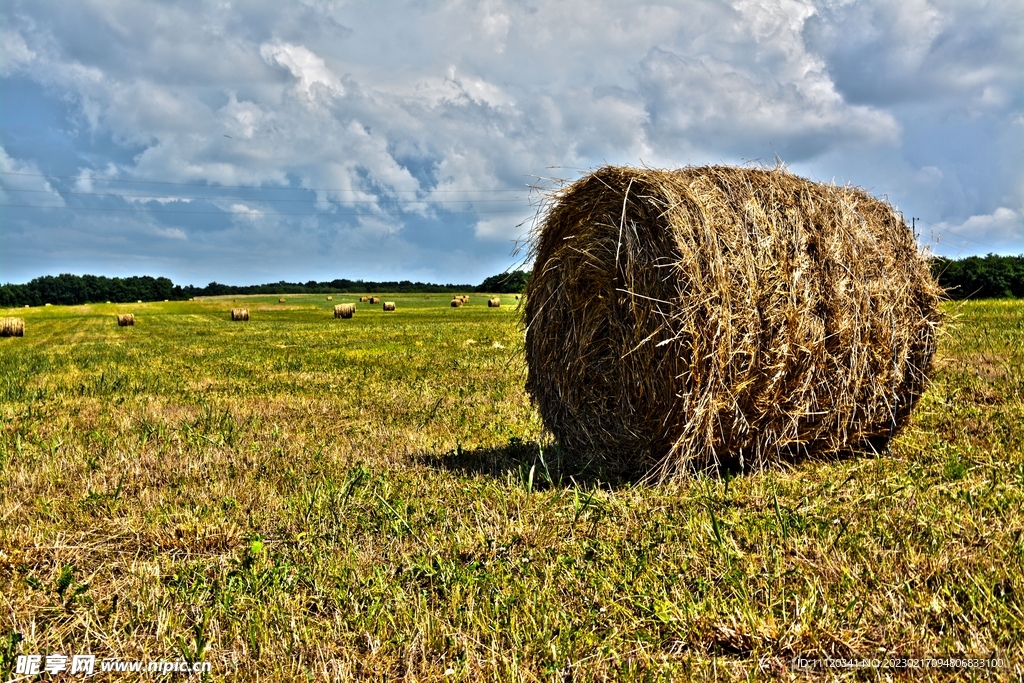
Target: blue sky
{"points": [[257, 141]]}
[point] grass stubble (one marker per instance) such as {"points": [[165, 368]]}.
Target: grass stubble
{"points": [[304, 499]]}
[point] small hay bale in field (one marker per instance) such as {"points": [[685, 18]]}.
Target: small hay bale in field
{"points": [[456, 302], [494, 303], [139, 301], [125, 320], [718, 316], [49, 304], [374, 300], [280, 301], [241, 314], [12, 327], [364, 299], [330, 298], [344, 310], [389, 305]]}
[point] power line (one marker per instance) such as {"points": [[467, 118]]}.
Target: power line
{"points": [[247, 213], [232, 187]]}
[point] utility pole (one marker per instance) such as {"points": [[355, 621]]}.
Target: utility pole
{"points": [[913, 226]]}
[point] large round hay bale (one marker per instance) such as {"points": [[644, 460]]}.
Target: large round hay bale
{"points": [[374, 300], [494, 303], [280, 301], [125, 320], [330, 298], [456, 302], [364, 299], [389, 305], [718, 316], [344, 310], [240, 314], [12, 327]]}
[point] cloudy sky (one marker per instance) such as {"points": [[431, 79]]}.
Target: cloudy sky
{"points": [[250, 142]]}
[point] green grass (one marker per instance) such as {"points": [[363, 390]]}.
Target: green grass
{"points": [[303, 498]]}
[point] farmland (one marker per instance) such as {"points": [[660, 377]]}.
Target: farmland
{"points": [[303, 498]]}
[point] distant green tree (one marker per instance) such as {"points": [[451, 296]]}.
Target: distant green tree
{"points": [[505, 283]]}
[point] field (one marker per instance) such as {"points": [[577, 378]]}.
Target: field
{"points": [[303, 498]]}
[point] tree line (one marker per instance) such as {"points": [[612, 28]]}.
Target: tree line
{"points": [[973, 277], [71, 290], [981, 277]]}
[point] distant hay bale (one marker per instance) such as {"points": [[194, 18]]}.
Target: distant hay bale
{"points": [[389, 305], [280, 301], [456, 302], [125, 320], [494, 303], [49, 304], [330, 298], [344, 310], [705, 317], [374, 300], [364, 299], [241, 314], [12, 327], [139, 301]]}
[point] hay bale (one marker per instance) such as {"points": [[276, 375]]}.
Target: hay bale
{"points": [[330, 298], [344, 310], [280, 301], [364, 299], [48, 304], [494, 303], [12, 327], [456, 302], [389, 305], [139, 301], [718, 316], [240, 314], [125, 320], [374, 300]]}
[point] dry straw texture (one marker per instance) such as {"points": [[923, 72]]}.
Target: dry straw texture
{"points": [[374, 300], [344, 310], [280, 301], [330, 298], [456, 302], [12, 327], [364, 299], [494, 303], [125, 320], [240, 314], [389, 305], [718, 316]]}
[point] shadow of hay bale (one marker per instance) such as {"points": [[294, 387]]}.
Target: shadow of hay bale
{"points": [[514, 460]]}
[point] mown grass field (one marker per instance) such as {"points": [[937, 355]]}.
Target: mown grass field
{"points": [[303, 498]]}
